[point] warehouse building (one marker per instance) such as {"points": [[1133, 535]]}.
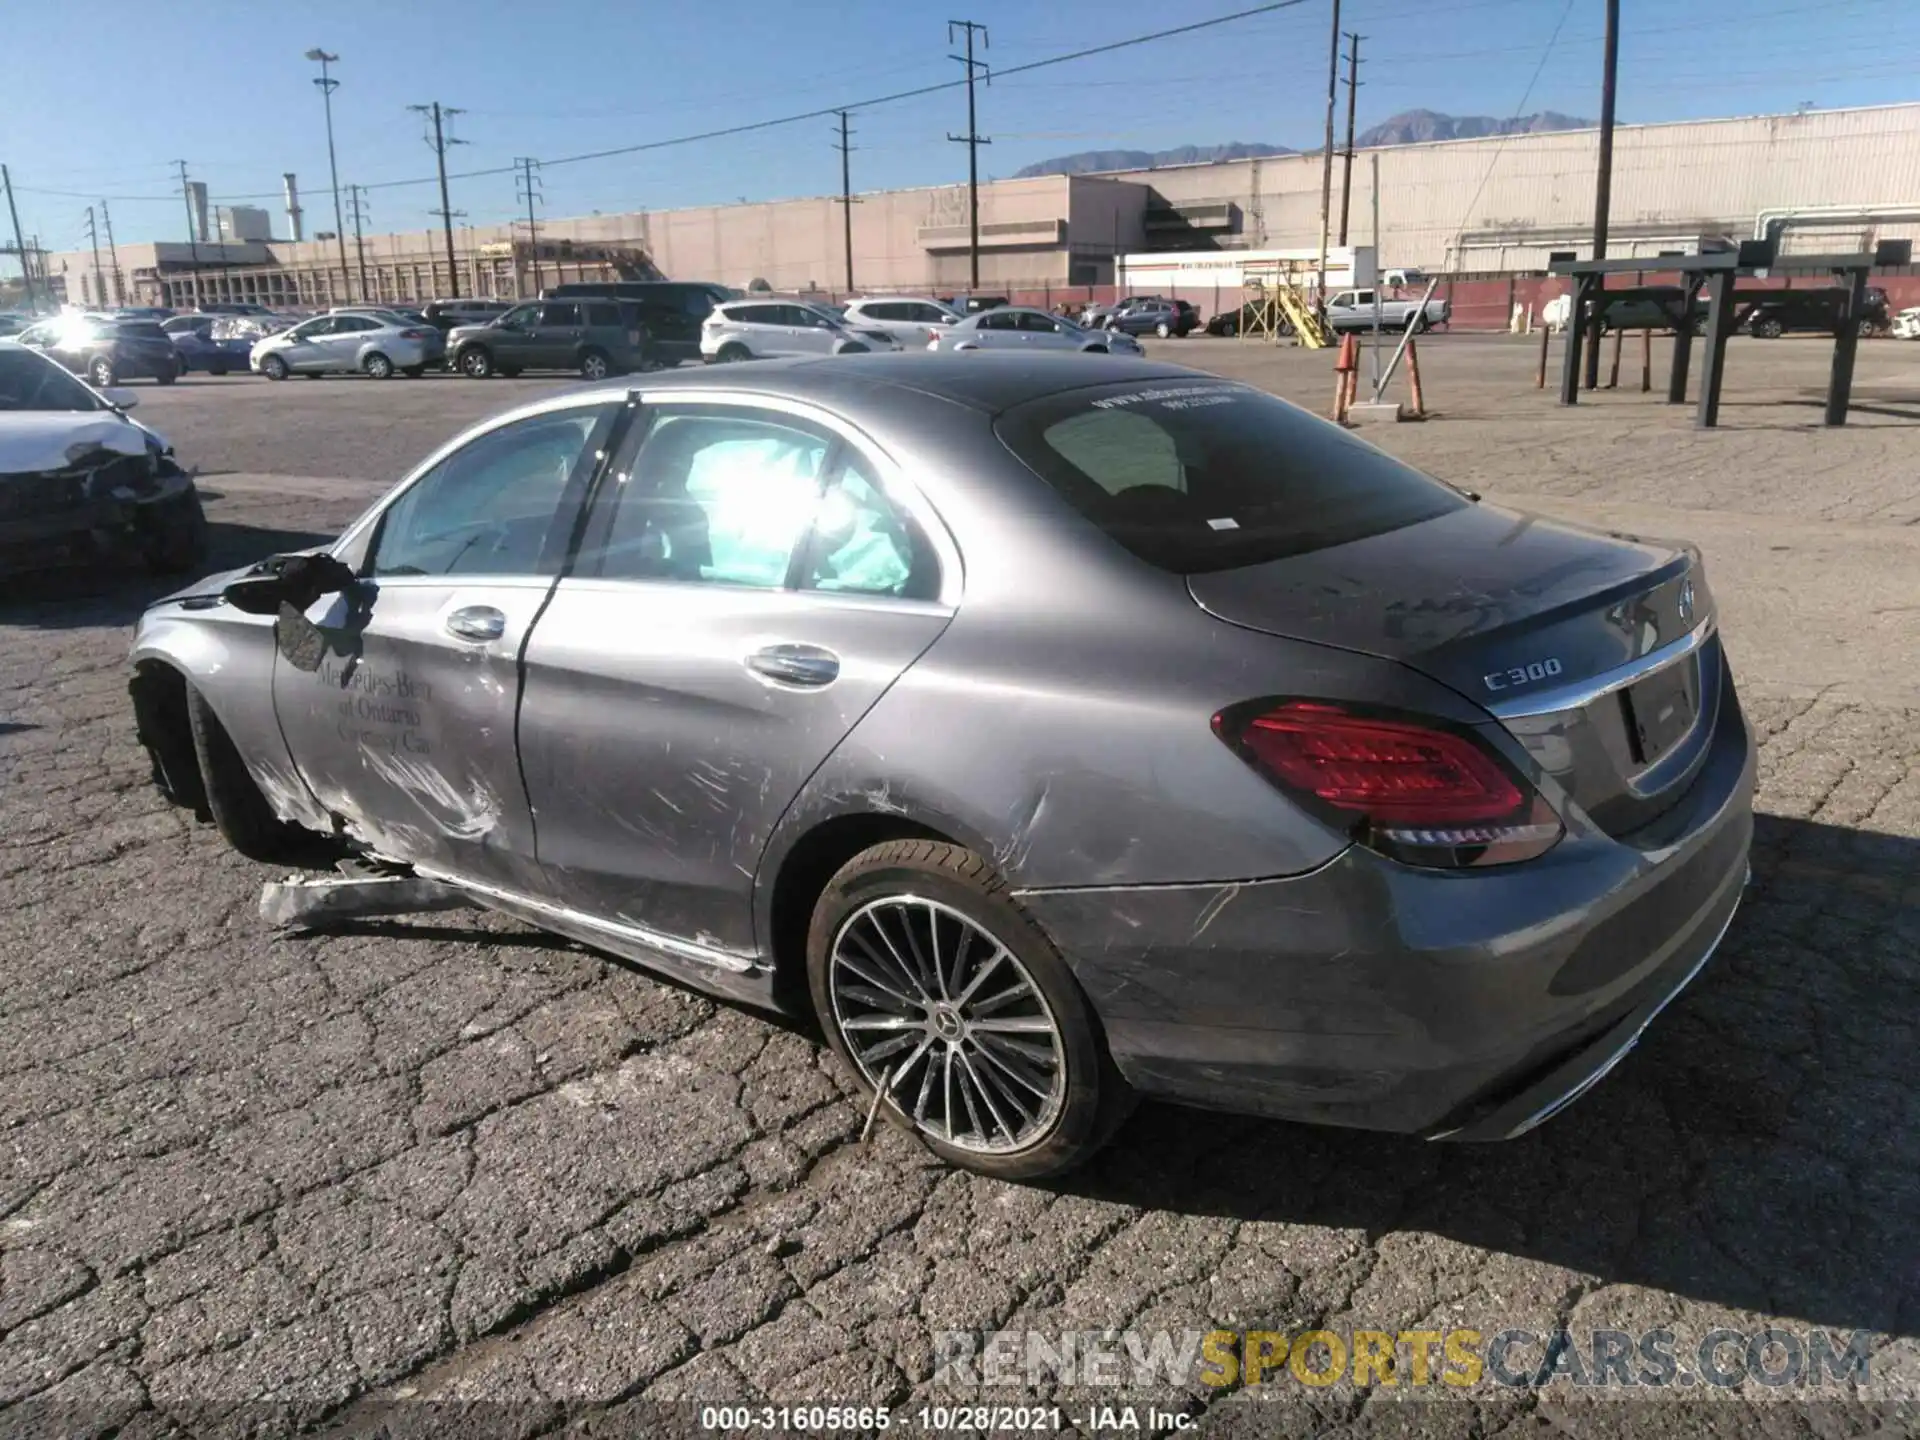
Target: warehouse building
{"points": [[1836, 179]]}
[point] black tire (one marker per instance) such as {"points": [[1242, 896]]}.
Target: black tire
{"points": [[377, 366], [1095, 1098], [1096, 350], [167, 377], [1768, 328], [1866, 327], [475, 362], [216, 370], [1163, 330], [100, 372], [177, 535], [274, 368], [240, 812], [594, 365], [731, 354]]}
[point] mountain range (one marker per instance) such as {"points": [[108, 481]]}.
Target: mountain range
{"points": [[1411, 127]]}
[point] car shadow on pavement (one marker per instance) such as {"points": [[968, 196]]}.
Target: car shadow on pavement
{"points": [[1759, 1150], [113, 593]]}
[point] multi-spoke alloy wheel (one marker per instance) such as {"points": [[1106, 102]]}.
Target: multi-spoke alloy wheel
{"points": [[957, 1016], [943, 1016]]}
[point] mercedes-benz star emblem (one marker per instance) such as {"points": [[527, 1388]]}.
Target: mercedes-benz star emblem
{"points": [[1686, 599]]}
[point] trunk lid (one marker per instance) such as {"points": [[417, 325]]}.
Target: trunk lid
{"points": [[1596, 651]]}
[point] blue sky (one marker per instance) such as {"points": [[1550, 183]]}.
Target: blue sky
{"points": [[100, 99]]}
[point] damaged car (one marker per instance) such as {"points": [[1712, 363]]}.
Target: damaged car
{"points": [[81, 480], [1051, 732]]}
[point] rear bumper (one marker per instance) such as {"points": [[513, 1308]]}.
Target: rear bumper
{"points": [[1371, 994]]}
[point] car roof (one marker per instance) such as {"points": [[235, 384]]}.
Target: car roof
{"points": [[986, 381]]}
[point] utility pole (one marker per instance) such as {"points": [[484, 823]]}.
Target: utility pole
{"points": [[973, 139], [1346, 173], [357, 198], [113, 254], [19, 243], [1326, 153], [1603, 185], [328, 85], [530, 193], [439, 143], [99, 280], [193, 237], [847, 201]]}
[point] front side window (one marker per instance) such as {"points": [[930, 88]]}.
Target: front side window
{"points": [[487, 508], [521, 317], [1199, 475], [311, 329], [714, 496]]}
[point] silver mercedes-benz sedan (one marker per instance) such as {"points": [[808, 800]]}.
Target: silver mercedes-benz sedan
{"points": [[1053, 732]]}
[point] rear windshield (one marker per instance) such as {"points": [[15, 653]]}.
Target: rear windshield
{"points": [[1201, 475], [140, 330]]}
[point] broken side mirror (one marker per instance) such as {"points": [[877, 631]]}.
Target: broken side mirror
{"points": [[296, 580]]}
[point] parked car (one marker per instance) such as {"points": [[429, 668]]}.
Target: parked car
{"points": [[1159, 317], [106, 351], [234, 307], [344, 344], [445, 315], [909, 319], [12, 322], [1783, 312], [81, 480], [769, 329], [597, 338], [1354, 310], [956, 705], [1906, 325], [1246, 318], [671, 311], [193, 337], [1014, 327]]}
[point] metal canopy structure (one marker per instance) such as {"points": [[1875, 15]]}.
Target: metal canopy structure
{"points": [[1717, 271]]}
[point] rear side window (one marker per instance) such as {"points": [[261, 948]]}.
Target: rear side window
{"points": [[1208, 475], [606, 315]]}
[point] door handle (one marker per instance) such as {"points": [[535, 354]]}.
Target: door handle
{"points": [[477, 622], [807, 665]]}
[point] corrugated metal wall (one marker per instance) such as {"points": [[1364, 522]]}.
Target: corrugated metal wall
{"points": [[1500, 204]]}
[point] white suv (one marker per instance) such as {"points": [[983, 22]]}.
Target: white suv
{"points": [[767, 329], [909, 319]]}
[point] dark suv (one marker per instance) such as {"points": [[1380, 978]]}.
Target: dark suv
{"points": [[1787, 310], [671, 310], [107, 351], [1156, 317], [596, 337]]}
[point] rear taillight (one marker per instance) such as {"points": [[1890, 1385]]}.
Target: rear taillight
{"points": [[416, 334], [1411, 789]]}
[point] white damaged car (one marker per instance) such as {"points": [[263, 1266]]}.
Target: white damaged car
{"points": [[81, 480]]}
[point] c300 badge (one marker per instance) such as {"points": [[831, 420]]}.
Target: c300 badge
{"points": [[1522, 674]]}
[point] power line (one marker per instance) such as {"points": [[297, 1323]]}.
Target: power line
{"points": [[973, 139]]}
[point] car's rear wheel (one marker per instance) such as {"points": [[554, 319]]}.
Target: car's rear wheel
{"points": [[100, 372], [377, 366], [731, 354], [167, 377], [933, 985], [1769, 329], [594, 365], [474, 363], [1163, 330], [274, 368], [240, 812]]}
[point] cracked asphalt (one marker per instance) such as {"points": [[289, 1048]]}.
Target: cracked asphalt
{"points": [[454, 1176]]}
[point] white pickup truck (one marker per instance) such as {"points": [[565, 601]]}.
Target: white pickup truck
{"points": [[1353, 310]]}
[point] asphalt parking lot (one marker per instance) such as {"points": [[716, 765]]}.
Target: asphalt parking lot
{"points": [[254, 1183]]}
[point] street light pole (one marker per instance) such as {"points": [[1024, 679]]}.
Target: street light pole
{"points": [[328, 85]]}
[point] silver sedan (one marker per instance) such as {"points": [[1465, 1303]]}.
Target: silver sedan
{"points": [[1050, 731], [1015, 327]]}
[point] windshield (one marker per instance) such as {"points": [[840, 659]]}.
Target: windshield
{"points": [[1199, 475], [139, 330], [27, 382]]}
